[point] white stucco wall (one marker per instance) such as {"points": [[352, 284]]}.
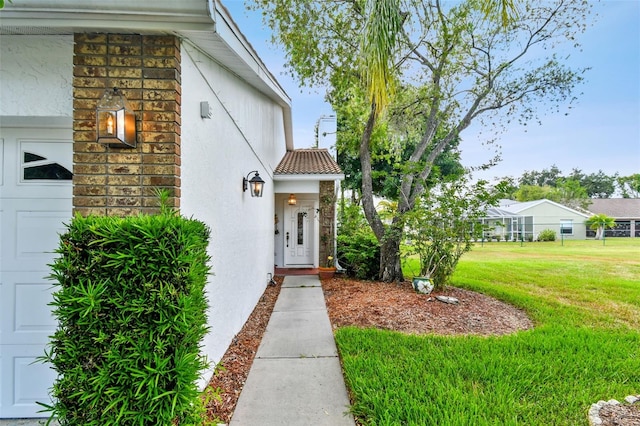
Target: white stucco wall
{"points": [[245, 133], [297, 186], [36, 73]]}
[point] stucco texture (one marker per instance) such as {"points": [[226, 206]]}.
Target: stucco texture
{"points": [[36, 73], [244, 133]]}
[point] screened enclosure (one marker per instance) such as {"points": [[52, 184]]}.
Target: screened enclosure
{"points": [[500, 224]]}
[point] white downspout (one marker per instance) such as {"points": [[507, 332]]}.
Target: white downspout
{"points": [[211, 8], [340, 268]]}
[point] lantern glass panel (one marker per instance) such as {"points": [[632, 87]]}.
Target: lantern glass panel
{"points": [[116, 122], [256, 188]]}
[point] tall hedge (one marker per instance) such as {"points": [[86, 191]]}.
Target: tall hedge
{"points": [[131, 314]]}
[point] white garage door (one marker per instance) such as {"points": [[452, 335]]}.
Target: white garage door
{"points": [[35, 202]]}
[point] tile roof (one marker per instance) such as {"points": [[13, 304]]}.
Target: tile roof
{"points": [[627, 208], [309, 161]]}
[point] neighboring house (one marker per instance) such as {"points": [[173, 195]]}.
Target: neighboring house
{"points": [[208, 114], [626, 212], [515, 221]]}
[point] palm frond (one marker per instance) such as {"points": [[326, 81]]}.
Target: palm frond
{"points": [[378, 46]]}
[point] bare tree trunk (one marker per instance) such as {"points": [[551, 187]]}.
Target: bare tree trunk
{"points": [[389, 239], [369, 208], [390, 265]]}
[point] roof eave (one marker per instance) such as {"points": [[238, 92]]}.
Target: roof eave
{"points": [[307, 177], [88, 15]]}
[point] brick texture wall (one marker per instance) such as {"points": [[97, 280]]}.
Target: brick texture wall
{"points": [[327, 218], [123, 181]]}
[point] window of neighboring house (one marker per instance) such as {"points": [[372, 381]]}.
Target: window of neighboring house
{"points": [[566, 227]]}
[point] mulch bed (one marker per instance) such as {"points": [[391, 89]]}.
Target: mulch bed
{"points": [[398, 307], [620, 415], [234, 367]]}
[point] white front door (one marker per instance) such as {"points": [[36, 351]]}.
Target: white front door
{"points": [[35, 202], [299, 233]]}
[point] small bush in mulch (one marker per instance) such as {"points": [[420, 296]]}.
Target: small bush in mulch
{"points": [[359, 253]]}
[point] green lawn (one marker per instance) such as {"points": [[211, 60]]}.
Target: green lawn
{"points": [[585, 300]]}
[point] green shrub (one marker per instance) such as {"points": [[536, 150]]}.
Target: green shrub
{"points": [[547, 235], [359, 253], [131, 314], [350, 218], [444, 224], [357, 247]]}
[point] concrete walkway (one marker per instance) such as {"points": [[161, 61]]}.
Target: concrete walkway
{"points": [[296, 378]]}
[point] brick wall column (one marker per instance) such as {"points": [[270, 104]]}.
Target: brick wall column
{"points": [[123, 181], [327, 220]]}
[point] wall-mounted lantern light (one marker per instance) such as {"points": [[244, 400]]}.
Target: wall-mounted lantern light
{"points": [[292, 200], [115, 120], [256, 183]]}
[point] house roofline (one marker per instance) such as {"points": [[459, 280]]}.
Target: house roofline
{"points": [[307, 177], [516, 207]]}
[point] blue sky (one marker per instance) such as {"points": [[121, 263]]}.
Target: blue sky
{"points": [[601, 132]]}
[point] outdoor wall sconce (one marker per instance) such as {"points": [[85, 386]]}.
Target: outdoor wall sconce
{"points": [[292, 200], [115, 120], [256, 183]]}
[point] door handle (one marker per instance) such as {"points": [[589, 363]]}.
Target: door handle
{"points": [[287, 239]]}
